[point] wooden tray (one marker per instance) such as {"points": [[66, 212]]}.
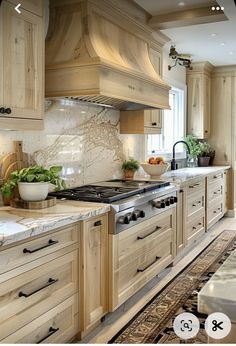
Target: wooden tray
{"points": [[19, 203]]}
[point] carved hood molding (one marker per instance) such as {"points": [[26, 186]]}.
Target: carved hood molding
{"points": [[96, 53]]}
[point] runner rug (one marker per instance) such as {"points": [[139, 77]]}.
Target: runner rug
{"points": [[153, 324]]}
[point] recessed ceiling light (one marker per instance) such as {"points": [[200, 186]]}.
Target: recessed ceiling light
{"points": [[217, 8], [181, 3], [213, 8], [223, 43], [222, 8], [214, 34]]}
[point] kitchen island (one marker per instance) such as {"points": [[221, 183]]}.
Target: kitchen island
{"points": [[218, 295]]}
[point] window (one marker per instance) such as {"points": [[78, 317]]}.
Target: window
{"points": [[173, 128]]}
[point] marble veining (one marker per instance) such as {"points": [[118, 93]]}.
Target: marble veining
{"points": [[218, 295], [19, 224]]}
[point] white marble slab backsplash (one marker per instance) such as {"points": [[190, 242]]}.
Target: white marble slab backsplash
{"points": [[83, 139]]}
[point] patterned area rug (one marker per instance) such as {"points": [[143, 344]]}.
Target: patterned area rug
{"points": [[153, 324]]}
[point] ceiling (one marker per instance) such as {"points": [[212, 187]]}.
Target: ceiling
{"points": [[198, 40]]}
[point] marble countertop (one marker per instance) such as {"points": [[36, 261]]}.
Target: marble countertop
{"points": [[218, 295], [19, 224], [183, 175]]}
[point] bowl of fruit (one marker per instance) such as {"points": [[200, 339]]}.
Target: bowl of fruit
{"points": [[155, 166]]}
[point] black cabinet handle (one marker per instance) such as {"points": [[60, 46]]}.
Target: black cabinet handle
{"points": [[50, 243], [142, 270], [49, 283], [51, 331], [147, 235], [154, 124], [98, 223]]}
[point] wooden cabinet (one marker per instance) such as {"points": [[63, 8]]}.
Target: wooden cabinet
{"points": [[58, 325], [180, 220], [145, 121], [199, 100], [195, 209], [21, 68], [138, 254], [94, 271], [215, 198], [39, 281]]}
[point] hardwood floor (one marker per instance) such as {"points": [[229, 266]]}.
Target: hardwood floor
{"points": [[116, 320]]}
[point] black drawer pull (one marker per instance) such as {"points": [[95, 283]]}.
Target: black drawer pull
{"points": [[51, 331], [199, 202], [50, 243], [49, 283], [193, 186], [142, 270], [98, 223], [147, 235]]}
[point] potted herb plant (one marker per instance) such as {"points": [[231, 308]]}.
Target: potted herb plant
{"points": [[130, 167], [33, 182], [204, 154], [194, 149]]}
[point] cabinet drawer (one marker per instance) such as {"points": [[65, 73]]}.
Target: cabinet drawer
{"points": [[196, 227], [197, 185], [216, 177], [58, 325], [151, 261], [214, 191], [214, 212], [143, 236], [29, 251], [195, 203], [27, 296]]}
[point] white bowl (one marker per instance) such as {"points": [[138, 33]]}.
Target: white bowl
{"points": [[32, 192], [155, 170]]}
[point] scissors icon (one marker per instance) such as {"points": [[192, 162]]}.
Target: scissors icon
{"points": [[217, 325]]}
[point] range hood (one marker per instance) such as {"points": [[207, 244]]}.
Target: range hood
{"points": [[96, 53]]}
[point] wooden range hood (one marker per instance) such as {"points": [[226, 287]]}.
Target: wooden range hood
{"points": [[97, 53]]}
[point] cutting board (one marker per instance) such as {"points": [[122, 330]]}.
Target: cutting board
{"points": [[10, 163], [13, 161]]}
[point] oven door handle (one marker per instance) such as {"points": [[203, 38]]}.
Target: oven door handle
{"points": [[148, 235], [149, 265]]}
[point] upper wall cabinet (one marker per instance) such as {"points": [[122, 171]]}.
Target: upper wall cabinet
{"points": [[145, 121], [21, 66], [199, 99]]}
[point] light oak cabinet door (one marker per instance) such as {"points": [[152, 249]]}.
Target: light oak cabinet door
{"points": [[143, 121], [94, 271], [22, 63], [34, 6], [199, 101]]}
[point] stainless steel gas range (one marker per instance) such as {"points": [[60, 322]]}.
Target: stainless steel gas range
{"points": [[131, 201]]}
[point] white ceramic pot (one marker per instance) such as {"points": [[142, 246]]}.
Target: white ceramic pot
{"points": [[32, 192], [155, 170]]}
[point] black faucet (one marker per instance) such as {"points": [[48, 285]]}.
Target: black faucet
{"points": [[173, 161]]}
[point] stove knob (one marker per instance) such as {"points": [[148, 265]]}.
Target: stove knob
{"points": [[142, 213], [134, 216], [172, 200], [167, 202], [159, 204], [123, 220], [2, 110], [175, 199]]}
